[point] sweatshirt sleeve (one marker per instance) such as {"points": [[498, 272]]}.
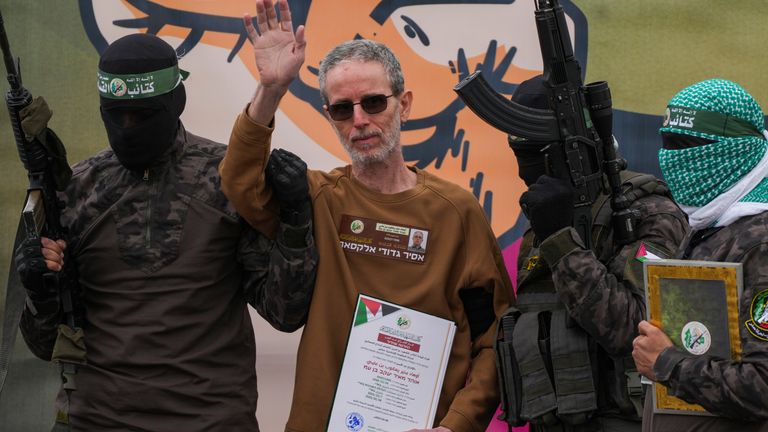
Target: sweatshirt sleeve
{"points": [[242, 174], [474, 405]]}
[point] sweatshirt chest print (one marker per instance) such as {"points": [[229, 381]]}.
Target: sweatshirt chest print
{"points": [[383, 239]]}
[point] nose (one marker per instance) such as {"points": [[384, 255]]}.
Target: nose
{"points": [[360, 118]]}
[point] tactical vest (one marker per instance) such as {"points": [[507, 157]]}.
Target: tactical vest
{"points": [[548, 367]]}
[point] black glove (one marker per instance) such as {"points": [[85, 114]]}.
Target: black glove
{"points": [[30, 264], [287, 174], [548, 204]]}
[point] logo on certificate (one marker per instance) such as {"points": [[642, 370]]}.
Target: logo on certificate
{"points": [[403, 322], [696, 338], [354, 421]]}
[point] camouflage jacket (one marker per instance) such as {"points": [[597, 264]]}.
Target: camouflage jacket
{"points": [[153, 218], [604, 294], [602, 291], [167, 267], [737, 390]]}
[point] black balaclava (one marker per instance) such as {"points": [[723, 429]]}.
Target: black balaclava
{"points": [[529, 154], [140, 111]]}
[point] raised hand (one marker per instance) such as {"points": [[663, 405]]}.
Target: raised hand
{"points": [[279, 52]]}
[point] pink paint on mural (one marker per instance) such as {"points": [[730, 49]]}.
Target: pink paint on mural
{"points": [[500, 426], [510, 260]]}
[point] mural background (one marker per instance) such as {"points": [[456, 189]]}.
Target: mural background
{"points": [[646, 49]]}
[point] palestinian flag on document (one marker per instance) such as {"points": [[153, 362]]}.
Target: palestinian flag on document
{"points": [[369, 309], [643, 254]]}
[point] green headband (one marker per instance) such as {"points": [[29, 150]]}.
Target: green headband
{"points": [[708, 122], [140, 86]]}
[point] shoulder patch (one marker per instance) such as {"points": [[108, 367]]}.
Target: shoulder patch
{"points": [[647, 252], [758, 316]]}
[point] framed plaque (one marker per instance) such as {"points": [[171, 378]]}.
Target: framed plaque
{"points": [[696, 304]]}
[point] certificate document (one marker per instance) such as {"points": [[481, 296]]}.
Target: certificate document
{"points": [[393, 369]]}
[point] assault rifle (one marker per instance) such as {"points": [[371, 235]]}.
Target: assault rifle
{"points": [[44, 159], [578, 128]]}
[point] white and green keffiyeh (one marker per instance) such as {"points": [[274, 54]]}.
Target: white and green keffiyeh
{"points": [[717, 183]]}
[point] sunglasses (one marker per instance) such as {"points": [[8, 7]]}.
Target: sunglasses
{"points": [[371, 104]]}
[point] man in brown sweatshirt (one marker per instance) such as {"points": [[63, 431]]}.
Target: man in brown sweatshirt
{"points": [[459, 276]]}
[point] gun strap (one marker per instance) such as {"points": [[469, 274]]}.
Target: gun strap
{"points": [[572, 370], [634, 186], [69, 353], [15, 296], [68, 372], [634, 386]]}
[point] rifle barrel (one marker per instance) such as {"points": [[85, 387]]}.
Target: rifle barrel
{"points": [[14, 78]]}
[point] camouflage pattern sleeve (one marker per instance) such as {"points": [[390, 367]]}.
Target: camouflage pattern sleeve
{"points": [[608, 300], [737, 390], [279, 275], [39, 327]]}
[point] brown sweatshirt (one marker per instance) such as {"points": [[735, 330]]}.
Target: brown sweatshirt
{"points": [[460, 253]]}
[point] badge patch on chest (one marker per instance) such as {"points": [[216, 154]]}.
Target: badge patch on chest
{"points": [[383, 239], [532, 262], [758, 313]]}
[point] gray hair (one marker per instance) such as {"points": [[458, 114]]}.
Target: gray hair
{"points": [[363, 50]]}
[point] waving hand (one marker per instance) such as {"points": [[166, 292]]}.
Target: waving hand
{"points": [[279, 54]]}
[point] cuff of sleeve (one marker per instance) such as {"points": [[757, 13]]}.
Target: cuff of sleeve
{"points": [[257, 139], [270, 126], [559, 245], [249, 131], [666, 363], [457, 422]]}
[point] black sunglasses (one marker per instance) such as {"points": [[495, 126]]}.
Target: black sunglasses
{"points": [[373, 104]]}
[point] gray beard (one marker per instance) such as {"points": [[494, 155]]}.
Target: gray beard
{"points": [[390, 143]]}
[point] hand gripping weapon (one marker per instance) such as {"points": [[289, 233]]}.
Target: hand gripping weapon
{"points": [[578, 127], [44, 159]]}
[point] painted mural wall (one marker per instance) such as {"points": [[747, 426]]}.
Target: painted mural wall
{"points": [[646, 49]]}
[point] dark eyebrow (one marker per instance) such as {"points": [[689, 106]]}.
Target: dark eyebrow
{"points": [[384, 9], [340, 101], [367, 95]]}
